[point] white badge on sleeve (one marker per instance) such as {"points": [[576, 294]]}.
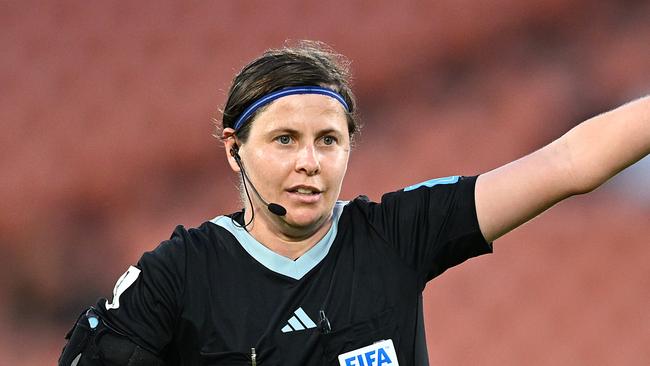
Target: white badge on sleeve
{"points": [[124, 282], [381, 353]]}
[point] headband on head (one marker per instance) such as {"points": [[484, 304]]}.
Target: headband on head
{"points": [[248, 112]]}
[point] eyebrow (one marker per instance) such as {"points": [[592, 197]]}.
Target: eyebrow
{"points": [[329, 131], [295, 132], [287, 130]]}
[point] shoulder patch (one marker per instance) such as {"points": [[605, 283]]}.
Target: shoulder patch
{"points": [[434, 182], [124, 282]]}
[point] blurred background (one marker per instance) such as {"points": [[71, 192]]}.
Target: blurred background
{"points": [[106, 111]]}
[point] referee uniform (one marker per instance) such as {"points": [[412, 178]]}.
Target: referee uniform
{"points": [[215, 296]]}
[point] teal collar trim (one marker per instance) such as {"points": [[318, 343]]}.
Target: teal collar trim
{"points": [[276, 262]]}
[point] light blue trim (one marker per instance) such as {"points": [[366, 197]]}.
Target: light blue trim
{"points": [[432, 182], [276, 262]]}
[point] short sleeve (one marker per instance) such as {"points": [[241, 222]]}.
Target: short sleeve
{"points": [[146, 298], [432, 225]]}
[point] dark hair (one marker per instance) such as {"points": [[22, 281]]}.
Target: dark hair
{"points": [[307, 63]]}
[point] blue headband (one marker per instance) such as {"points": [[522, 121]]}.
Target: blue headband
{"points": [[248, 112]]}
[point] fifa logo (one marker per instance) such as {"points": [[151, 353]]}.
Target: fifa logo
{"points": [[370, 358], [381, 353]]}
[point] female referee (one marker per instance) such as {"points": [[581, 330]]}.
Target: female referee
{"points": [[300, 278]]}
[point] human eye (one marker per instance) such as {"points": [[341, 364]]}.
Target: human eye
{"points": [[329, 140], [283, 139]]}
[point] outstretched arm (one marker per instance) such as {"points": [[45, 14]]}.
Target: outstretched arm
{"points": [[576, 163]]}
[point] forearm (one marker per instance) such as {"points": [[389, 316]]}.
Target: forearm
{"points": [[576, 163], [602, 146]]}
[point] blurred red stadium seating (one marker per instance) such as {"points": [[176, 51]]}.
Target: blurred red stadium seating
{"points": [[106, 111]]}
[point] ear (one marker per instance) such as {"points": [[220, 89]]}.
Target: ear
{"points": [[230, 144]]}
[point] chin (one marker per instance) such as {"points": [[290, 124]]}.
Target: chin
{"points": [[304, 218]]}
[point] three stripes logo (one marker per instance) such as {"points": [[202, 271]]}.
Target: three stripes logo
{"points": [[299, 321]]}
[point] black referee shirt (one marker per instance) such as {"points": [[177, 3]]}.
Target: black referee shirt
{"points": [[209, 295]]}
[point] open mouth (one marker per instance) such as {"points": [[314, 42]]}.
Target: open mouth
{"points": [[305, 191], [305, 194]]}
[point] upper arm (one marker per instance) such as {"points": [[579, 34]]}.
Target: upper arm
{"points": [[431, 225], [508, 196], [147, 300]]}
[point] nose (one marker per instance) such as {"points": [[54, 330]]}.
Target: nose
{"points": [[307, 160]]}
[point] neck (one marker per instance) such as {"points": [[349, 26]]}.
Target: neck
{"points": [[281, 237]]}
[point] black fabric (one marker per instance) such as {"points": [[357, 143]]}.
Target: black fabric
{"points": [[202, 299], [79, 340], [100, 345]]}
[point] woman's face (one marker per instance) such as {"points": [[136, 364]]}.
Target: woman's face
{"points": [[296, 155]]}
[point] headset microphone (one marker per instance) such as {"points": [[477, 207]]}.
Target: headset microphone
{"points": [[273, 207]]}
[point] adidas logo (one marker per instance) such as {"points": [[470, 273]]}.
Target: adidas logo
{"points": [[299, 321]]}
